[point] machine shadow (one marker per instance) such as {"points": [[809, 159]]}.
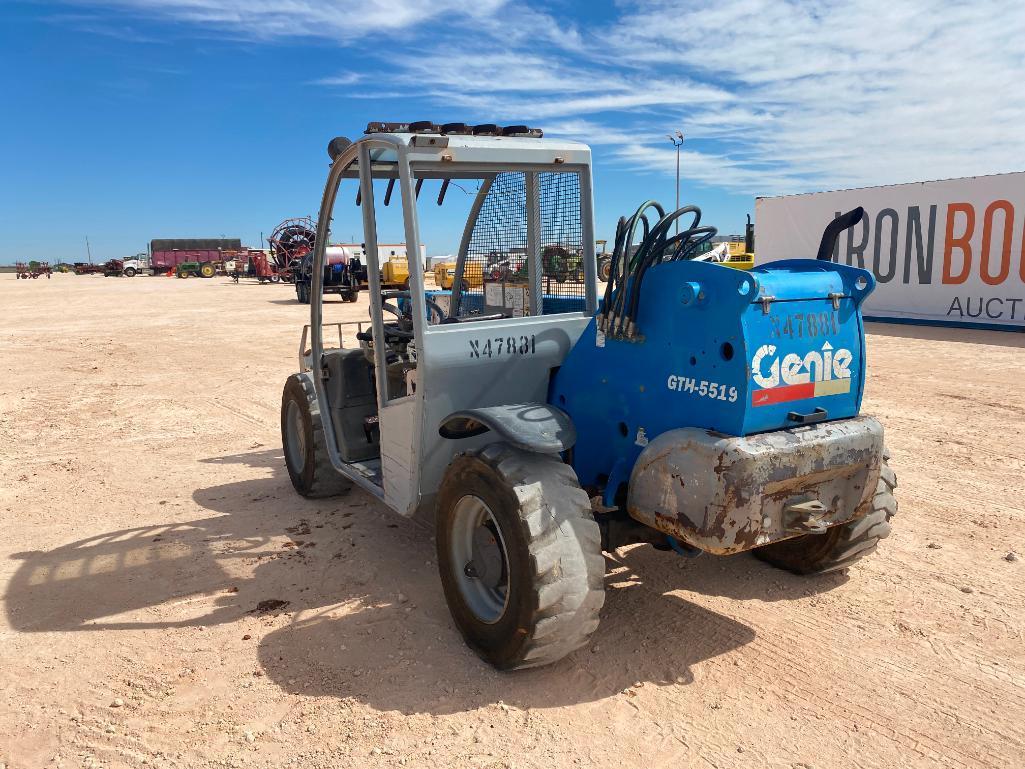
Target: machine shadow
{"points": [[181, 573], [740, 577], [368, 618], [293, 301], [408, 657]]}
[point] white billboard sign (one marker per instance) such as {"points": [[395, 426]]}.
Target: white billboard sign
{"points": [[945, 252]]}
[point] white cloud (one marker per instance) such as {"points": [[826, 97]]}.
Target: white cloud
{"points": [[794, 95], [850, 93], [773, 95], [339, 20], [341, 79]]}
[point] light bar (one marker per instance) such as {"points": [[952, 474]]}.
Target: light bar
{"points": [[454, 129]]}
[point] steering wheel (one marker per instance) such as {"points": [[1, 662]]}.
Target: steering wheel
{"points": [[402, 328]]}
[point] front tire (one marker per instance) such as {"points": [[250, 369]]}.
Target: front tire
{"points": [[305, 448], [129, 272], [520, 556], [840, 546]]}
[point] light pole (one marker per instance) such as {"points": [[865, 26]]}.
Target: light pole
{"points": [[677, 142]]}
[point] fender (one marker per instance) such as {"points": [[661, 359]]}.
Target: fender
{"points": [[538, 427]]}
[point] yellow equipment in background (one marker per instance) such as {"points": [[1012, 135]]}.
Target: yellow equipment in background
{"points": [[742, 252], [739, 258], [395, 272], [445, 275]]}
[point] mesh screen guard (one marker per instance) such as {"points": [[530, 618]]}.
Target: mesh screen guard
{"points": [[498, 253]]}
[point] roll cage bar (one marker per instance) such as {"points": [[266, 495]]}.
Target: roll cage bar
{"points": [[362, 160]]}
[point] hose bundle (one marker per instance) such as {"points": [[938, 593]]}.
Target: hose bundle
{"points": [[622, 292]]}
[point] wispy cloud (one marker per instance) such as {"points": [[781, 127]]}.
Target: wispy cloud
{"points": [[339, 20], [341, 79], [773, 96], [854, 92]]}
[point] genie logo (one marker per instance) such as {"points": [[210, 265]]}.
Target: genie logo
{"points": [[817, 366]]}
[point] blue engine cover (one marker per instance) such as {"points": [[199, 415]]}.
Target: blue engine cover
{"points": [[722, 349]]}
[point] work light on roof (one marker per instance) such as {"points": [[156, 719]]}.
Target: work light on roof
{"points": [[454, 129]]}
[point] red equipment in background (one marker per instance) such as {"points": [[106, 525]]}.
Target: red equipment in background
{"points": [[289, 242], [167, 254], [33, 269], [262, 268]]}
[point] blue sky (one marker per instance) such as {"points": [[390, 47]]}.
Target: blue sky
{"points": [[128, 120]]}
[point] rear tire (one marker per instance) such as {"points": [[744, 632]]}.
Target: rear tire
{"points": [[537, 592], [207, 270], [842, 545], [305, 448]]}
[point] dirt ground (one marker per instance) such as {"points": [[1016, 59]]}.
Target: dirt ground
{"points": [[147, 514]]}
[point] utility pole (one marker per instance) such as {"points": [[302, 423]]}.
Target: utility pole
{"points": [[677, 142], [88, 252]]}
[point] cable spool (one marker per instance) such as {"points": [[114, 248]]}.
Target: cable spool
{"points": [[292, 239]]}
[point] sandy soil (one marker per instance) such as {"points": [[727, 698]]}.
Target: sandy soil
{"points": [[147, 514]]}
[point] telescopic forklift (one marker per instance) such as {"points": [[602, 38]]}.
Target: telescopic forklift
{"points": [[698, 408]]}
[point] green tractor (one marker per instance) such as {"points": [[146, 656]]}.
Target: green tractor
{"points": [[196, 269]]}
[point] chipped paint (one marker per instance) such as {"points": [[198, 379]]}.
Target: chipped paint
{"points": [[726, 494]]}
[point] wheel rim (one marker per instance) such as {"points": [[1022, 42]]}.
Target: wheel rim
{"points": [[480, 561], [295, 446]]}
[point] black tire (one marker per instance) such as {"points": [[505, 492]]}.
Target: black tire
{"points": [[129, 272], [552, 565], [840, 546], [302, 439], [604, 270], [207, 270]]}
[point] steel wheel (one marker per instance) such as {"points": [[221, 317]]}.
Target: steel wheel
{"points": [[479, 558]]}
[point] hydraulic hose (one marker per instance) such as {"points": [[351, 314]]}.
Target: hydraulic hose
{"points": [[622, 264], [652, 250], [627, 271]]}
